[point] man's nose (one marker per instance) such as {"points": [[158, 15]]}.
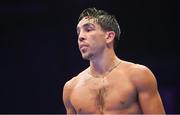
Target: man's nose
{"points": [[81, 37]]}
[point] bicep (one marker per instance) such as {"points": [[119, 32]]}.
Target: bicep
{"points": [[70, 111], [150, 102], [148, 94], [69, 107], [66, 99]]}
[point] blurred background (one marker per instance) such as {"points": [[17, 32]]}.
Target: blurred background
{"points": [[39, 51]]}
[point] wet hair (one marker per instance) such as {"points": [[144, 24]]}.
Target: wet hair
{"points": [[107, 21]]}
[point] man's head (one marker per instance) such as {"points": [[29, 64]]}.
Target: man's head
{"points": [[97, 30], [107, 21]]}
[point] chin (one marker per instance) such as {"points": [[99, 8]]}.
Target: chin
{"points": [[86, 56]]}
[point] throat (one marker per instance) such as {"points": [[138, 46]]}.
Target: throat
{"points": [[103, 70]]}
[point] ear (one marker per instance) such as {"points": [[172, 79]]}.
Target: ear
{"points": [[110, 36]]}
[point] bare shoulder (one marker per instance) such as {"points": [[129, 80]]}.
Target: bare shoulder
{"points": [[67, 90], [69, 85], [141, 71], [141, 76]]}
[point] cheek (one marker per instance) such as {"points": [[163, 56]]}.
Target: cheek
{"points": [[97, 44], [96, 38]]}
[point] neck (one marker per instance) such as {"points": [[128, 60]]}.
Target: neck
{"points": [[102, 64]]}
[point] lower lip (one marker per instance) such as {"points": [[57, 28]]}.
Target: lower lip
{"points": [[84, 48]]}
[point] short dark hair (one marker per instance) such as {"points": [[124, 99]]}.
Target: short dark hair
{"points": [[107, 21]]}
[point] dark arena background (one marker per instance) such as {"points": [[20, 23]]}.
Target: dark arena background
{"points": [[39, 51]]}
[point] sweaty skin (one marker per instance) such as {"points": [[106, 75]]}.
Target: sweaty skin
{"points": [[128, 88], [109, 85]]}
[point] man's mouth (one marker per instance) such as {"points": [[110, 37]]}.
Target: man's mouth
{"points": [[83, 46]]}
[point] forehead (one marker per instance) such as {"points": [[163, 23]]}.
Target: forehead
{"points": [[87, 20]]}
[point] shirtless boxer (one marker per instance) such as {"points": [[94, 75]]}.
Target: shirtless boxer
{"points": [[109, 85]]}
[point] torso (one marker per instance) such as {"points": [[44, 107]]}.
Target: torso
{"points": [[113, 94]]}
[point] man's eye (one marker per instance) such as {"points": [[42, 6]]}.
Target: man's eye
{"points": [[89, 29]]}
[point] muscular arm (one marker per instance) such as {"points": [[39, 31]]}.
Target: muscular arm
{"points": [[66, 98], [149, 97]]}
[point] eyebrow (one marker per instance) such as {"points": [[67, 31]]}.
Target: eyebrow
{"points": [[85, 25], [88, 24]]}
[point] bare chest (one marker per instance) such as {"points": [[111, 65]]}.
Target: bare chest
{"points": [[98, 95]]}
